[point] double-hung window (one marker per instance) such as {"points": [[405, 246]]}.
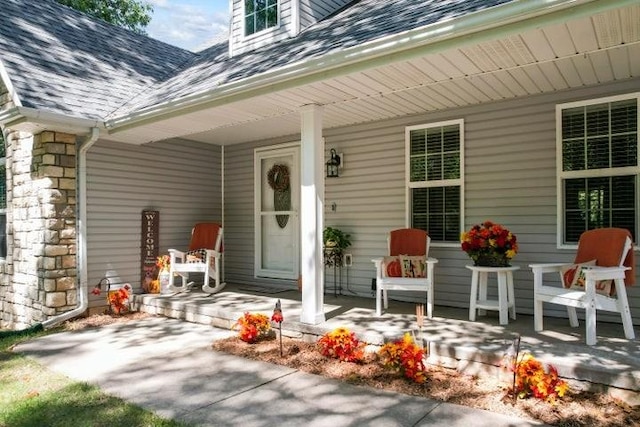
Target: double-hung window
{"points": [[259, 15], [597, 165], [434, 179]]}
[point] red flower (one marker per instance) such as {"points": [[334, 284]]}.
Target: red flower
{"points": [[249, 334], [489, 239]]}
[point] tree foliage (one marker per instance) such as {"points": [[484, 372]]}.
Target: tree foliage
{"points": [[134, 15]]}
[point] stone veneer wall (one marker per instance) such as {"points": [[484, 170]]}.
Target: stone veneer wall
{"points": [[39, 274]]}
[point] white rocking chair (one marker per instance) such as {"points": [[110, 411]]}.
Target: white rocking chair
{"points": [[611, 249], [203, 256], [406, 246]]}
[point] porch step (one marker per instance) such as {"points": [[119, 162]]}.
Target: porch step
{"points": [[453, 341]]}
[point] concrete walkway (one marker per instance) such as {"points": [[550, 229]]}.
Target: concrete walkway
{"points": [[167, 366]]}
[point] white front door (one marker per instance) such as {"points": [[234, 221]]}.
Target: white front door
{"points": [[277, 222]]}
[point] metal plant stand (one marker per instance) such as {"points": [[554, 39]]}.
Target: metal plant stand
{"points": [[334, 259]]}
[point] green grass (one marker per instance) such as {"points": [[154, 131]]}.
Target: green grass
{"points": [[31, 395]]}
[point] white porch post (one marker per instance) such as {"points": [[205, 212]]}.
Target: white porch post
{"points": [[312, 214]]}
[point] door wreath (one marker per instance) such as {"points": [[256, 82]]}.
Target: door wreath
{"points": [[278, 179]]}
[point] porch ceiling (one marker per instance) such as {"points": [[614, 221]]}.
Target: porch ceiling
{"points": [[585, 51]]}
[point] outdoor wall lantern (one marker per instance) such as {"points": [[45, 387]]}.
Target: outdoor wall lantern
{"points": [[333, 164]]}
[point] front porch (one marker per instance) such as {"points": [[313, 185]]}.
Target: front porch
{"points": [[453, 341]]}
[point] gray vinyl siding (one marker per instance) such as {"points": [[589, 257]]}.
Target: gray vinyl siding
{"points": [[180, 179], [239, 43], [312, 11], [510, 178]]}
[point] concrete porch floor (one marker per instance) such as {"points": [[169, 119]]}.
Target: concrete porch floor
{"points": [[613, 364]]}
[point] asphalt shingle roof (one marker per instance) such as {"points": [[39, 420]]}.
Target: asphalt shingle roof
{"points": [[61, 60]]}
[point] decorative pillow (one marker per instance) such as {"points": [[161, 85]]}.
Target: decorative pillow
{"points": [[570, 275], [404, 266], [392, 266], [573, 278], [197, 255], [413, 266], [605, 287]]}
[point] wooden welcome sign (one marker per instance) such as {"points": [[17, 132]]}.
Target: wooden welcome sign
{"points": [[149, 247]]}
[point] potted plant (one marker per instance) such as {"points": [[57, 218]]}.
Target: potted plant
{"points": [[335, 242], [336, 239]]}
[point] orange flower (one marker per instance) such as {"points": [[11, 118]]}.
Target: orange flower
{"points": [[252, 327], [406, 357], [163, 262], [533, 380], [119, 299], [341, 344]]}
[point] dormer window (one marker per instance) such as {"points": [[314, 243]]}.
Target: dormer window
{"points": [[259, 15]]}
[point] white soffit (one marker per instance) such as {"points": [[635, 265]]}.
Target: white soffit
{"points": [[581, 52]]}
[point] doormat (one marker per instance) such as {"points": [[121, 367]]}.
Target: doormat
{"points": [[263, 290]]}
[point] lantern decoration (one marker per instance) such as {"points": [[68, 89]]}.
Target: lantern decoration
{"points": [[278, 318], [333, 164]]}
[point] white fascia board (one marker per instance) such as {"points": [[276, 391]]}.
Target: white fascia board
{"points": [[4, 77], [10, 115], [484, 25], [26, 118]]}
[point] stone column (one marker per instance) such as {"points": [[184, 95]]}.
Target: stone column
{"points": [[40, 271]]}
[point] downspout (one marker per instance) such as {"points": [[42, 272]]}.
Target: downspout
{"points": [[82, 287], [222, 206]]}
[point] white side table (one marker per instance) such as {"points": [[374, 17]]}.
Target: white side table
{"points": [[506, 303]]}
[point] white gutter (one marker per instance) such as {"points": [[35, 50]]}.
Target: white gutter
{"points": [[82, 285], [13, 117], [472, 28]]}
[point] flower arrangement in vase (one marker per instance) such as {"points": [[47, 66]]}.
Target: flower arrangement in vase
{"points": [[163, 263], [489, 244]]}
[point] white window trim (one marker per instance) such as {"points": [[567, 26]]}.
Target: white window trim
{"points": [[249, 37], [562, 175], [409, 185]]}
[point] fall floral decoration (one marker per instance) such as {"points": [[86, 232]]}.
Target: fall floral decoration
{"points": [[406, 357], [530, 377], [253, 326], [154, 286], [533, 380], [342, 344], [279, 181], [489, 244], [163, 262], [117, 300], [278, 177]]}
